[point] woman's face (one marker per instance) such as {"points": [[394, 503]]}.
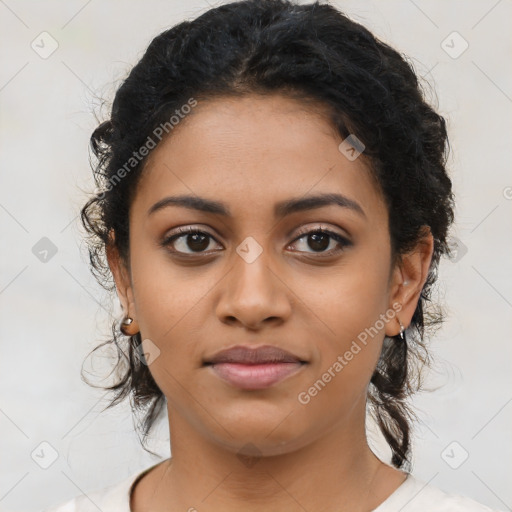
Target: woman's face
{"points": [[254, 277]]}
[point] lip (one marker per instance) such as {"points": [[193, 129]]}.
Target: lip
{"points": [[254, 368], [255, 376], [242, 354]]}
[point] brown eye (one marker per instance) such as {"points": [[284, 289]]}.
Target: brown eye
{"points": [[318, 241], [322, 241], [188, 241]]}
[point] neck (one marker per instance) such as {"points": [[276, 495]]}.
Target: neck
{"points": [[336, 471]]}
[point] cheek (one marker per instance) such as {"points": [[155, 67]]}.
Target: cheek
{"points": [[339, 377], [165, 295], [350, 305], [170, 308], [349, 299]]}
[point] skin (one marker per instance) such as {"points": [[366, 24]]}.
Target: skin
{"points": [[251, 153]]}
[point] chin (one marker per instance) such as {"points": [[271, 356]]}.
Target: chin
{"points": [[256, 434]]}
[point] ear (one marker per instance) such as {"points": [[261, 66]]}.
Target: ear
{"points": [[407, 280], [121, 277]]}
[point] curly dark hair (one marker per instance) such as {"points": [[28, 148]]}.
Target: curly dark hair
{"points": [[311, 52]]}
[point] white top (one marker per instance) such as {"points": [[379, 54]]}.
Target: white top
{"points": [[413, 495]]}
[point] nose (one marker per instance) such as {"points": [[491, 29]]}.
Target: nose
{"points": [[253, 295]]}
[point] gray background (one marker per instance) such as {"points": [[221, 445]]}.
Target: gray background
{"points": [[53, 312]]}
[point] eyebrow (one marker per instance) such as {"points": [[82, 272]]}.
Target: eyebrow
{"points": [[281, 209]]}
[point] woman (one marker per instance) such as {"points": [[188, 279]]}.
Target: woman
{"points": [[273, 204]]}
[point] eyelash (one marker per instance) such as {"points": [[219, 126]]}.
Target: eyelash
{"points": [[183, 231]]}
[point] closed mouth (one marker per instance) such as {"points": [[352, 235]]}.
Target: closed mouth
{"points": [[263, 355]]}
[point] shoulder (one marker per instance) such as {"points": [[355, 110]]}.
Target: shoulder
{"points": [[415, 495], [114, 498]]}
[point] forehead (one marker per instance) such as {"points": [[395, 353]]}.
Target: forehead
{"points": [[252, 151]]}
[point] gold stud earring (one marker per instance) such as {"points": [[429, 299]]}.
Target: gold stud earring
{"points": [[127, 326]]}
